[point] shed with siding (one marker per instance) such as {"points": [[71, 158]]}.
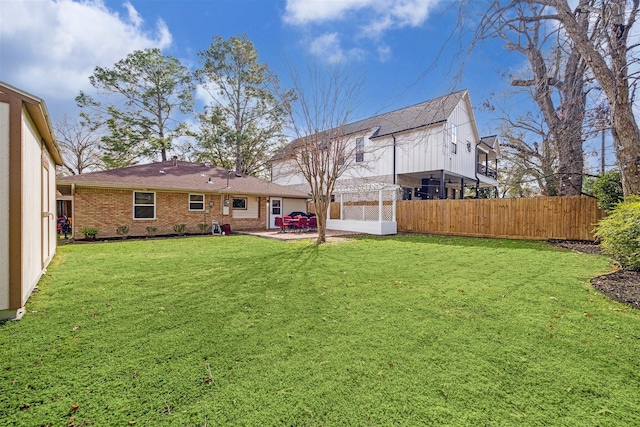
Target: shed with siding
{"points": [[28, 159]]}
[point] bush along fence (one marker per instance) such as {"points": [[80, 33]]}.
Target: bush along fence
{"points": [[538, 218]]}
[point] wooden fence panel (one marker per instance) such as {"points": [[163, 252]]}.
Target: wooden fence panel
{"points": [[541, 218]]}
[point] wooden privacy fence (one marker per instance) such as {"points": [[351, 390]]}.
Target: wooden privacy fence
{"points": [[539, 218]]}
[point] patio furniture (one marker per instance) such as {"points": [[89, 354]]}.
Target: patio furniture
{"points": [[302, 223], [288, 222], [313, 223], [280, 222]]}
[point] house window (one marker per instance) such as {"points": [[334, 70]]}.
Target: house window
{"points": [[468, 146], [454, 139], [144, 205], [196, 202], [239, 203], [359, 149]]}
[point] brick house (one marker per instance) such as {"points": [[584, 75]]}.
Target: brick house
{"points": [[164, 194]]}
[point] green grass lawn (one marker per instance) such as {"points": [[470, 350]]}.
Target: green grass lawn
{"points": [[406, 330]]}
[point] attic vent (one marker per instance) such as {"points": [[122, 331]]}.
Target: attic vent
{"points": [[202, 174], [162, 171]]}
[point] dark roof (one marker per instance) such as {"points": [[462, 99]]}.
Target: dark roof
{"points": [[416, 116], [427, 113], [184, 176], [489, 141]]}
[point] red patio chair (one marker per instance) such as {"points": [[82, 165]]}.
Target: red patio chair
{"points": [[280, 223], [288, 222], [302, 223], [313, 223]]}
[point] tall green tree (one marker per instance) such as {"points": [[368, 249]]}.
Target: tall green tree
{"points": [[247, 96], [144, 98], [212, 139]]}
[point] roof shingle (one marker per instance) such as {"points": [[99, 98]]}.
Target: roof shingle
{"points": [[181, 176]]}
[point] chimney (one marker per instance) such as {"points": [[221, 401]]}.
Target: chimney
{"points": [[207, 164], [175, 160]]}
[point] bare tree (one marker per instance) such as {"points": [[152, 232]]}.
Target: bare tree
{"points": [[322, 152], [79, 142], [558, 84], [600, 31], [530, 156], [608, 56]]}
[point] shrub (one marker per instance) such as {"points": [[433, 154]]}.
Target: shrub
{"points": [[89, 232], [123, 230], [619, 233], [151, 231], [203, 227], [607, 188], [180, 228]]}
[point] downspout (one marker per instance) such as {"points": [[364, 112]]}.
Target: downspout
{"points": [[475, 167], [394, 158], [73, 210]]}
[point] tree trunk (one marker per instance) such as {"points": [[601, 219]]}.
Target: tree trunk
{"points": [[321, 208], [613, 79], [626, 141]]}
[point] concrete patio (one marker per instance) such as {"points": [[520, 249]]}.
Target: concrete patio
{"points": [[292, 235]]}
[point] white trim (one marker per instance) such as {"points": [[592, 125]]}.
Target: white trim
{"points": [[246, 203], [365, 187], [155, 201], [196, 201]]}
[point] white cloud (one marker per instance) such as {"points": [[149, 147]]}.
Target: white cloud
{"points": [[300, 12], [384, 53], [50, 48], [354, 21], [328, 48], [373, 17]]}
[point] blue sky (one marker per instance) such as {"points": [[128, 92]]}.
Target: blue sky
{"points": [[407, 51], [394, 44]]}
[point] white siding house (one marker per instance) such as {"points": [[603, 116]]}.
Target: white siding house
{"points": [[28, 158], [432, 150]]}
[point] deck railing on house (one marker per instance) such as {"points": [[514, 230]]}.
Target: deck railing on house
{"points": [[482, 169]]}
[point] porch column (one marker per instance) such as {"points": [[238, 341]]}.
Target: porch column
{"points": [[442, 196], [462, 188], [341, 216], [393, 212]]}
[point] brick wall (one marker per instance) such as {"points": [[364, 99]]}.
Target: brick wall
{"points": [[107, 209]]}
